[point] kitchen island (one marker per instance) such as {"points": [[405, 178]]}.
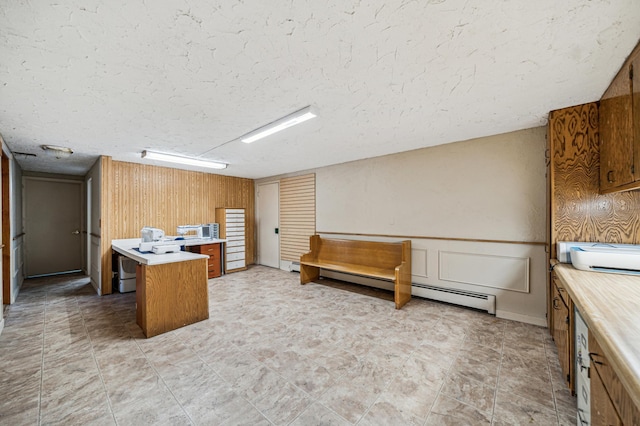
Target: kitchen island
{"points": [[171, 288]]}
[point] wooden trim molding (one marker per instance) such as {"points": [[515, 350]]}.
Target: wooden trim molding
{"points": [[422, 237]]}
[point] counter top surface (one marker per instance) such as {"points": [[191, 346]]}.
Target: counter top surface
{"points": [[610, 305], [126, 247]]}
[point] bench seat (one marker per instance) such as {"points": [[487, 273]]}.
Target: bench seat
{"points": [[352, 268], [374, 259]]}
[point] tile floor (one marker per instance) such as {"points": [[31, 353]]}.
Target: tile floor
{"points": [[273, 352]]}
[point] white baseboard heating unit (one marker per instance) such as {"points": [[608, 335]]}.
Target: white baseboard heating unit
{"points": [[485, 302], [294, 267]]}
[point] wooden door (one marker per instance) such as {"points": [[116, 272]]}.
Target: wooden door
{"points": [[52, 220]]}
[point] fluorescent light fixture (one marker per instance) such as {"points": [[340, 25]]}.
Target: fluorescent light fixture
{"points": [[57, 151], [152, 155], [297, 117]]}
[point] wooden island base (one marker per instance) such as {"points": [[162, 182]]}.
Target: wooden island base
{"points": [[171, 295]]}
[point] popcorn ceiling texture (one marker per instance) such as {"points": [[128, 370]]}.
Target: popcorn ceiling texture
{"points": [[191, 77]]}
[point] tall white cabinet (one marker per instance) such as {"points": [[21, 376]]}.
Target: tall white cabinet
{"points": [[232, 229]]}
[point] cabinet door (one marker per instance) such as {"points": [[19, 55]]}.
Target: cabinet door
{"points": [[603, 413], [616, 133], [635, 85], [561, 333]]}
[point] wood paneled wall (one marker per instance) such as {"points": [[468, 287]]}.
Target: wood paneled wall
{"points": [[578, 211], [297, 215], [142, 195]]}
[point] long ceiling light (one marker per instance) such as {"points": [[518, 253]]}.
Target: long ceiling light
{"points": [[152, 155], [297, 117]]}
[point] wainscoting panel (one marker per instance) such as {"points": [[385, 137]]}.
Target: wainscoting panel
{"points": [[419, 258], [502, 272]]}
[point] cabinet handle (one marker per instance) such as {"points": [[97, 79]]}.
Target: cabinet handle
{"points": [[609, 176], [555, 303], [591, 354]]}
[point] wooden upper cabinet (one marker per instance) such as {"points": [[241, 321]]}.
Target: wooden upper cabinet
{"points": [[635, 88], [619, 129]]}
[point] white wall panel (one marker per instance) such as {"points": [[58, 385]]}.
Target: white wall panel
{"points": [[502, 272], [419, 262]]}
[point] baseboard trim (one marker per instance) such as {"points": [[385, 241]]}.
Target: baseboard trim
{"points": [[542, 322]]}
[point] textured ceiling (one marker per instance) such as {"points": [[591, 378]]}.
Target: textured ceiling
{"points": [[190, 77]]}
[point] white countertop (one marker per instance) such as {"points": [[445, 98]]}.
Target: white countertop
{"points": [[127, 247]]}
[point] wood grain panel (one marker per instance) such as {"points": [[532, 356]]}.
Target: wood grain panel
{"points": [[107, 214], [297, 215], [138, 195], [578, 211], [171, 295]]}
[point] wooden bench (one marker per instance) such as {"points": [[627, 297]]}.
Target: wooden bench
{"points": [[388, 261]]}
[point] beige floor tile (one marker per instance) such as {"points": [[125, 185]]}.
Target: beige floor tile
{"points": [[470, 391], [319, 415], [411, 395], [384, 413], [513, 409], [323, 353], [448, 411]]}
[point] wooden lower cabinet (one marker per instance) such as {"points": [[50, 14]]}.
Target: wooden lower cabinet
{"points": [[610, 402], [214, 264], [603, 413], [562, 329]]}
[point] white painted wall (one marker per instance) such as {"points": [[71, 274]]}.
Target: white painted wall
{"points": [[491, 188], [488, 188]]}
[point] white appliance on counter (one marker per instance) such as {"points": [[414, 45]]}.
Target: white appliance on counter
{"points": [[583, 381], [149, 234], [601, 257], [207, 230]]}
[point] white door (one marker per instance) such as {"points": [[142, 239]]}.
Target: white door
{"points": [[52, 221], [268, 232]]}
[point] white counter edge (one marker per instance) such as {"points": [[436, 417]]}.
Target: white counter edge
{"points": [[126, 248]]}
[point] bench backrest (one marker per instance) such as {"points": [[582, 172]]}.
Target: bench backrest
{"points": [[381, 254]]}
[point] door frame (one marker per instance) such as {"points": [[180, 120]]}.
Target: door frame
{"points": [[80, 183], [6, 231], [277, 201]]}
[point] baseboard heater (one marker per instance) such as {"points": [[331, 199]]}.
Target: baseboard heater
{"points": [[470, 299], [485, 302]]}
